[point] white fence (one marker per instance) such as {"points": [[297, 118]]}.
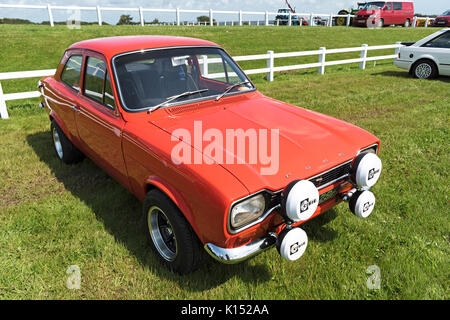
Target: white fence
{"points": [[326, 19], [270, 69]]}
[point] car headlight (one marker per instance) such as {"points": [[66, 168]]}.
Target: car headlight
{"points": [[371, 149], [247, 211]]}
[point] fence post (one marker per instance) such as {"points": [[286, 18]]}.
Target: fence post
{"points": [[290, 19], [311, 20], [414, 23], [348, 20], [211, 18], [240, 17], [362, 64], [426, 22], [3, 111], [99, 16], [178, 16], [205, 65], [267, 18], [270, 65], [330, 23], [50, 15], [141, 16], [322, 56]]}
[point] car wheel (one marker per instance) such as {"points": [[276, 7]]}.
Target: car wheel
{"points": [[380, 23], [407, 23], [424, 69], [169, 234], [64, 149]]}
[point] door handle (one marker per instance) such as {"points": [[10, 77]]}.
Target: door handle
{"points": [[76, 108]]}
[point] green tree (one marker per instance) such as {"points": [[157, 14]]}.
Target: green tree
{"points": [[125, 19]]}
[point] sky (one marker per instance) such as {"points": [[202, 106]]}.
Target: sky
{"points": [[304, 6]]}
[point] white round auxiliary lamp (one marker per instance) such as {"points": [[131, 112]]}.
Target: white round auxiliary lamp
{"points": [[362, 203], [292, 243], [300, 200], [366, 170]]}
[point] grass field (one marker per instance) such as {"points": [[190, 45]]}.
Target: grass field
{"points": [[53, 216]]}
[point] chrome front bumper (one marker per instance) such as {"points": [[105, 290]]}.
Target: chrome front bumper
{"points": [[236, 255]]}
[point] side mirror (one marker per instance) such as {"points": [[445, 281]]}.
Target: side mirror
{"points": [[385, 8]]}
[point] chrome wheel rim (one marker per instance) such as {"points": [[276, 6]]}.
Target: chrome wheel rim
{"points": [[57, 143], [162, 234], [423, 71]]}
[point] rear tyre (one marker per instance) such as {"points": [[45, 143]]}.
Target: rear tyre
{"points": [[64, 149], [407, 23], [169, 234], [424, 69]]}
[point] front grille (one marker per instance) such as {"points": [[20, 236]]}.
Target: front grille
{"points": [[324, 179]]}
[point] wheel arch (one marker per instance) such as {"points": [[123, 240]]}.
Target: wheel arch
{"points": [[424, 58], [156, 183]]}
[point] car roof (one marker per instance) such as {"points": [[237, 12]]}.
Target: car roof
{"points": [[111, 46]]}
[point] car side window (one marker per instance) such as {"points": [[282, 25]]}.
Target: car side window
{"points": [[398, 6], [97, 84], [108, 97], [443, 41], [94, 78], [389, 5], [72, 71]]}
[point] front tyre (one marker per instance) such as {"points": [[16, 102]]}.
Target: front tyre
{"points": [[64, 149], [169, 234]]}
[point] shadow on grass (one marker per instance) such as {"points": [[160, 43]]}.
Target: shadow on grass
{"points": [[404, 74], [120, 212]]}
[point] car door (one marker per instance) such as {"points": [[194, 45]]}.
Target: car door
{"points": [[98, 120], [398, 16], [388, 13], [61, 96], [439, 48]]}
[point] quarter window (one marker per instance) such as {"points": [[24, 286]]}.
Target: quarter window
{"points": [[72, 71]]}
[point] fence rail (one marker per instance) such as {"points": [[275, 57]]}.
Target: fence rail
{"points": [[289, 20], [270, 69]]}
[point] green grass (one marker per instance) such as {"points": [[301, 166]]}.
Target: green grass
{"points": [[53, 216]]}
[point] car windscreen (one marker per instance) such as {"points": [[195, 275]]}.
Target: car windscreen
{"points": [[374, 5], [149, 78], [446, 13]]}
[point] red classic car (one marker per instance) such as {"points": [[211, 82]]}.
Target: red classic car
{"points": [[443, 20], [216, 163]]}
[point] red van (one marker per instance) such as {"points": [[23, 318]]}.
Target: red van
{"points": [[385, 13]]}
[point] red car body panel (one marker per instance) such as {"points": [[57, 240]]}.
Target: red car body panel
{"points": [[135, 148], [389, 14]]}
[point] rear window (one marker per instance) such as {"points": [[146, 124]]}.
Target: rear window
{"points": [[72, 71]]}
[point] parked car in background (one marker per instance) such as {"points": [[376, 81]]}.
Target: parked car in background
{"points": [[385, 13], [141, 106], [443, 20], [282, 18], [427, 58], [342, 21]]}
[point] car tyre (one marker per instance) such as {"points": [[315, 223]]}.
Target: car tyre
{"points": [[380, 23], [65, 150], [407, 23], [424, 69], [169, 234]]}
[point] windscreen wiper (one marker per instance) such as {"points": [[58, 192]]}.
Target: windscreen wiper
{"points": [[181, 95], [228, 89]]}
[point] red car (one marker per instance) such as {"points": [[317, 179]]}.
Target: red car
{"points": [[385, 13], [216, 163], [443, 20]]}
